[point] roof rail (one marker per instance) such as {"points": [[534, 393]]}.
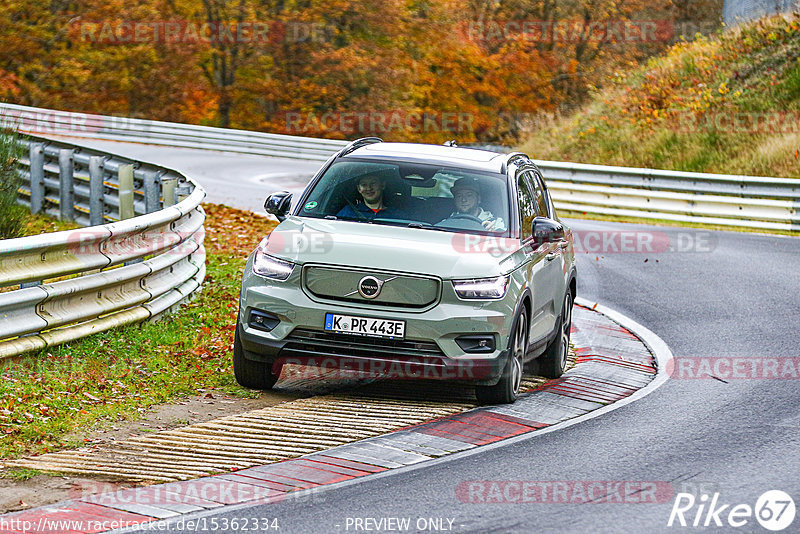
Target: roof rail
{"points": [[513, 157], [358, 143]]}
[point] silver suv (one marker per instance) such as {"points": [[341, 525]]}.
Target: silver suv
{"points": [[414, 261]]}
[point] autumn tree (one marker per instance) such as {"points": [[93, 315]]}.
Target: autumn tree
{"points": [[226, 53], [249, 63]]}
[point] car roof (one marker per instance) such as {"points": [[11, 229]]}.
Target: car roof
{"points": [[467, 158]]}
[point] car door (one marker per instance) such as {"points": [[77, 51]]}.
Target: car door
{"points": [[541, 272], [556, 255]]}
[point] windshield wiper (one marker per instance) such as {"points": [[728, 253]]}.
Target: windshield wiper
{"points": [[425, 226]]}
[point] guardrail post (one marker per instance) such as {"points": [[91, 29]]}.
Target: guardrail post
{"points": [[66, 197], [182, 191], [126, 191], [151, 193], [168, 186], [37, 177], [96, 191]]}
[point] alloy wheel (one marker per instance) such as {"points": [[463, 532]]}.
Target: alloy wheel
{"points": [[566, 326], [520, 335]]}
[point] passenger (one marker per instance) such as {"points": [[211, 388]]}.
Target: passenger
{"points": [[373, 204], [467, 197]]}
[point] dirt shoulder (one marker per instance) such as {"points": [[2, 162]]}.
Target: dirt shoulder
{"points": [[42, 489]]}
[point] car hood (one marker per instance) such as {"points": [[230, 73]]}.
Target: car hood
{"points": [[412, 250]]}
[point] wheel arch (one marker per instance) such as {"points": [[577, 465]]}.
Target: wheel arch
{"points": [[524, 302]]}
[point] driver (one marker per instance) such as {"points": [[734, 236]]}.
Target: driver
{"points": [[467, 197], [370, 187]]}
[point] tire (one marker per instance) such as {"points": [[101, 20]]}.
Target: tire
{"points": [[553, 362], [251, 374], [507, 389]]}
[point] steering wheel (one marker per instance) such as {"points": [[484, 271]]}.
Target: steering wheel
{"points": [[466, 216], [461, 221]]}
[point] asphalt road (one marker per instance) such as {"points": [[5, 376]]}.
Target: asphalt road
{"points": [[723, 294], [739, 438], [239, 180]]}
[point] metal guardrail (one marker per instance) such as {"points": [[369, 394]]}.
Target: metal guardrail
{"points": [[92, 187], [47, 121], [725, 200], [720, 199], [737, 11], [130, 270]]}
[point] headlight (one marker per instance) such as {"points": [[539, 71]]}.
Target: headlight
{"points": [[482, 288], [270, 266]]}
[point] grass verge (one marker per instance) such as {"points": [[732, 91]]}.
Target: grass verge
{"points": [[12, 214], [119, 374], [42, 224], [20, 473]]}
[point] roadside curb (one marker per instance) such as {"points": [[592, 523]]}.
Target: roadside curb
{"points": [[618, 361]]}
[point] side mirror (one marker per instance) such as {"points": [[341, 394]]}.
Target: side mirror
{"points": [[547, 230], [278, 204]]}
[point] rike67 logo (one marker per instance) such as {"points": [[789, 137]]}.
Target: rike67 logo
{"points": [[774, 510]]}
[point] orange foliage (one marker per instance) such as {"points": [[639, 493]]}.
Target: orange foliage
{"points": [[402, 70]]}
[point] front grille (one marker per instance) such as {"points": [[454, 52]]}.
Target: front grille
{"points": [[399, 290], [304, 342]]}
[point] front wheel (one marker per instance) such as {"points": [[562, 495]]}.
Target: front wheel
{"points": [[507, 389], [251, 374], [553, 362]]}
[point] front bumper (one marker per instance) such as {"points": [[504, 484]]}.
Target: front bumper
{"points": [[429, 349]]}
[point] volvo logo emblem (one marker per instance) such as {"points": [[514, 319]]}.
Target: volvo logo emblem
{"points": [[369, 287]]}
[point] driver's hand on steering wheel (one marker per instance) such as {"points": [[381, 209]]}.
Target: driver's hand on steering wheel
{"points": [[491, 225]]}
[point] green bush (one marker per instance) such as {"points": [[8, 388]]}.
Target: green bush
{"points": [[12, 215]]}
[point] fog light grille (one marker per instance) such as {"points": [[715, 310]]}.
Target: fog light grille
{"points": [[262, 320], [476, 343]]}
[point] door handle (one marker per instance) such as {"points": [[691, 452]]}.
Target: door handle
{"points": [[551, 256], [563, 244]]}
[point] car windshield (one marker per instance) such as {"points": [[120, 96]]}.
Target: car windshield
{"points": [[411, 194]]}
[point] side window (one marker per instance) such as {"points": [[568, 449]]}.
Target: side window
{"points": [[527, 209], [551, 210], [539, 194]]}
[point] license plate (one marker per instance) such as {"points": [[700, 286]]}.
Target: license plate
{"points": [[365, 326]]}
